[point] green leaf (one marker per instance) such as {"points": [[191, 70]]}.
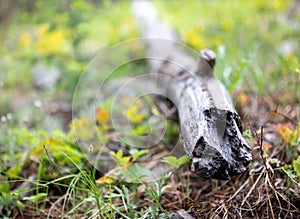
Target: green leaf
{"points": [[136, 173], [235, 79], [14, 172], [20, 206], [141, 130], [183, 160], [18, 192], [138, 153], [171, 160], [296, 166], [176, 163], [34, 198], [4, 187]]}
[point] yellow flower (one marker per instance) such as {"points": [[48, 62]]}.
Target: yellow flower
{"points": [[42, 29], [49, 42], [24, 40], [194, 39]]}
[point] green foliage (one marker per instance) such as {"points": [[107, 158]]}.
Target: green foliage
{"points": [[35, 198], [9, 200], [120, 159], [175, 163], [39, 146], [128, 171], [7, 204], [296, 166], [14, 171], [128, 204], [136, 154], [246, 35], [155, 193]]}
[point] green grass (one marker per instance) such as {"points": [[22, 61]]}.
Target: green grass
{"points": [[246, 36]]}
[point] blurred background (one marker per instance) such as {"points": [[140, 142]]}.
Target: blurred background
{"points": [[45, 46]]}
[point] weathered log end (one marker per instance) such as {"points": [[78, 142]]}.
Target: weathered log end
{"points": [[225, 152], [221, 151]]}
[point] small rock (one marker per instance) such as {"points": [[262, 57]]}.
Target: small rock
{"points": [[181, 214]]}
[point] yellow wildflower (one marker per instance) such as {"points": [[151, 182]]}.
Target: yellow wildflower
{"points": [[52, 42], [49, 42], [42, 29], [194, 39], [24, 40]]}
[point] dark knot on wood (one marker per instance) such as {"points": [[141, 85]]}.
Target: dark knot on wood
{"points": [[206, 63], [209, 56]]}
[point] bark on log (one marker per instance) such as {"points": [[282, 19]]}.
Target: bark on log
{"points": [[211, 129]]}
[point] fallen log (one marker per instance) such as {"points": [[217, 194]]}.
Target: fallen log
{"points": [[211, 129]]}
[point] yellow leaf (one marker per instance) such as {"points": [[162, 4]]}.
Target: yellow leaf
{"points": [[266, 146], [36, 152], [125, 166], [119, 154], [285, 131], [102, 116], [82, 127], [132, 111], [133, 114], [243, 98], [106, 179]]}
